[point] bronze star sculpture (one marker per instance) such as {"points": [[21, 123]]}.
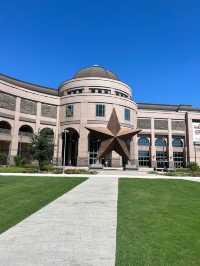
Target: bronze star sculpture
{"points": [[113, 137]]}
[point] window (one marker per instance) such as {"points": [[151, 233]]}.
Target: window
{"points": [[92, 90], [100, 110], [177, 142], [99, 91], [160, 142], [127, 114], [144, 141], [178, 159], [69, 110], [162, 159], [80, 91], [94, 144], [144, 158]]}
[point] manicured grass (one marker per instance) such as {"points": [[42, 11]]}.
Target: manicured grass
{"points": [[21, 196], [158, 223]]}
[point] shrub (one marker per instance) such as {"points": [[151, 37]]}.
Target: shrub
{"points": [[58, 170], [47, 167], [30, 170], [19, 161], [3, 158], [193, 167], [78, 171]]}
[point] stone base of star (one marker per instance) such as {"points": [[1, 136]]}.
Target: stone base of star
{"points": [[97, 165], [131, 166]]}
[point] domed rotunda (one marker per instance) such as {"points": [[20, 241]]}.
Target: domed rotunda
{"points": [[93, 120]]}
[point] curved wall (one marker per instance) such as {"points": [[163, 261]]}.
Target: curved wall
{"points": [[84, 107], [20, 106], [23, 103]]}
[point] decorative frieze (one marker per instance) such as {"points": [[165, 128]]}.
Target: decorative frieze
{"points": [[49, 110], [144, 123], [28, 107], [161, 124], [178, 125], [7, 101]]}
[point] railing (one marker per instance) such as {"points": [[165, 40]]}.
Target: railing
{"points": [[5, 131]]}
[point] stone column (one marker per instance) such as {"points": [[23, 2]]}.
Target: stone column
{"points": [[37, 126], [170, 148], [116, 162], [83, 137], [57, 156], [189, 139], [83, 147], [133, 163], [15, 133], [153, 148]]}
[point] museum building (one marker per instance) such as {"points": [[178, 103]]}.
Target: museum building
{"points": [[93, 117]]}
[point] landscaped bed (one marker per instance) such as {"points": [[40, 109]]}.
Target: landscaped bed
{"points": [[158, 223], [21, 196], [47, 169]]}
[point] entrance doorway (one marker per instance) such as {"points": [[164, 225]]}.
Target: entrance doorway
{"points": [[70, 139]]}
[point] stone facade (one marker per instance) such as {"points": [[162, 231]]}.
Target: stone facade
{"points": [[144, 123], [49, 110], [161, 124], [7, 101], [38, 107], [178, 125], [28, 107]]}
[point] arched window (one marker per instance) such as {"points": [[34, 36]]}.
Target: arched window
{"points": [[5, 127], [143, 141], [26, 130], [177, 142], [160, 142]]}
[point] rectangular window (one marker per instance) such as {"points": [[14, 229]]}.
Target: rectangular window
{"points": [[127, 114], [100, 110], [178, 159], [69, 110], [144, 158]]}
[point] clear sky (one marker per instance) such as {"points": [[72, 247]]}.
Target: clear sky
{"points": [[154, 46]]}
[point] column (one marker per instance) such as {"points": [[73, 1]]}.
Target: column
{"points": [[170, 148], [37, 126], [116, 159], [153, 148], [133, 163], [57, 156], [15, 132], [133, 153], [83, 147], [83, 139]]}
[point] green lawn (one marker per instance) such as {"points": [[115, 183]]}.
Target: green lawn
{"points": [[21, 196], [158, 223]]}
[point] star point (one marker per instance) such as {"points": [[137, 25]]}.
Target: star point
{"points": [[114, 137]]}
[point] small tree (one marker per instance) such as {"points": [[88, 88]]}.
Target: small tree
{"points": [[42, 148]]}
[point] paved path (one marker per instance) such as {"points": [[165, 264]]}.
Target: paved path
{"points": [[79, 228]]}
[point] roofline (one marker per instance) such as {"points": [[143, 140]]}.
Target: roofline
{"points": [[29, 85], [167, 107]]}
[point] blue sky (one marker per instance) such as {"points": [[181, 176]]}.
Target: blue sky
{"points": [[154, 46]]}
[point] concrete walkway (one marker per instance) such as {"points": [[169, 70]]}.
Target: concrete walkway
{"points": [[79, 228]]}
